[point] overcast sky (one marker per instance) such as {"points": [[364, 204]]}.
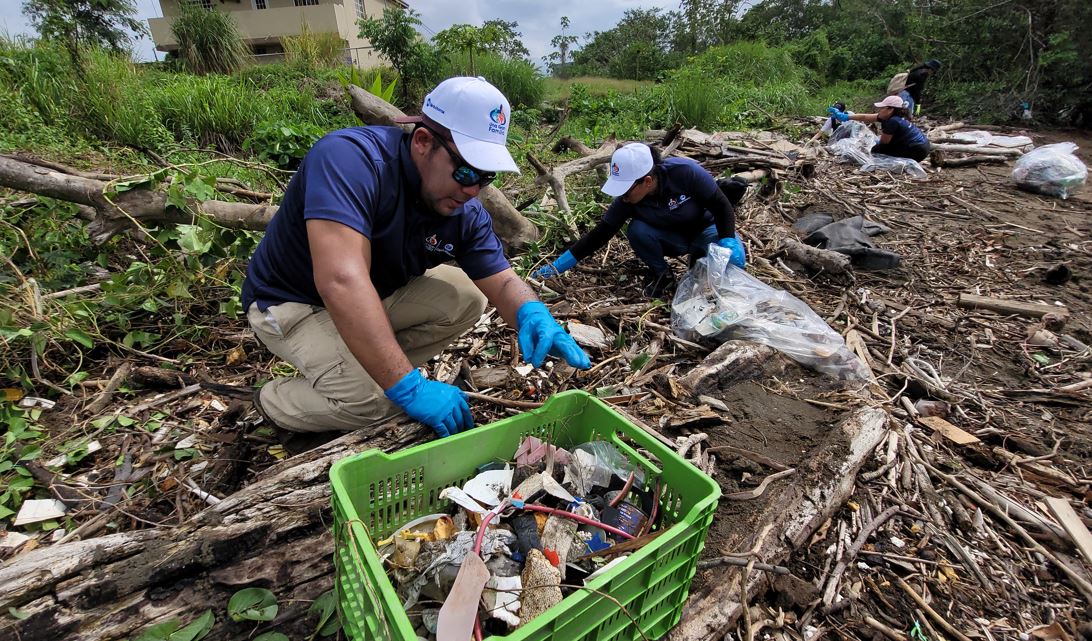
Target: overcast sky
{"points": [[538, 21]]}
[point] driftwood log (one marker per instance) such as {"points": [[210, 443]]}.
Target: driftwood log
{"points": [[815, 258], [510, 225], [555, 177], [274, 533]]}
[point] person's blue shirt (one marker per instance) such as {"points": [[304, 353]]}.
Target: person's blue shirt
{"points": [[681, 203], [903, 132], [365, 179], [905, 95]]}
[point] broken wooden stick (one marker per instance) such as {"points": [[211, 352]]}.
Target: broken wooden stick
{"points": [[1003, 306], [814, 258], [555, 177]]}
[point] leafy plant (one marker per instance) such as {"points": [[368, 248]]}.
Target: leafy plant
{"points": [[173, 630], [377, 89], [283, 143], [326, 608], [253, 604], [22, 442]]}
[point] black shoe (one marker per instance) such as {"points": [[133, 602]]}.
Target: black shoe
{"points": [[657, 285], [292, 441]]}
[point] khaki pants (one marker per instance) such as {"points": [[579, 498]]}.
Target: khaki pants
{"points": [[334, 391]]}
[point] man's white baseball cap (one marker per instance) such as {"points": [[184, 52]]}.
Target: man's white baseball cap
{"points": [[629, 164], [478, 115]]}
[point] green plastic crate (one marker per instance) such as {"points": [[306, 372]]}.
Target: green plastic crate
{"points": [[375, 493]]}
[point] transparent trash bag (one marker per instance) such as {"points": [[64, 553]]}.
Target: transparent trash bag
{"points": [[852, 142], [1054, 170], [895, 165], [717, 302], [595, 462]]}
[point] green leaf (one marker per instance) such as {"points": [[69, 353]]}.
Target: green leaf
{"points": [[326, 607], [18, 614], [5, 512], [179, 289], [253, 604], [80, 337], [103, 422], [172, 630], [271, 636], [193, 239]]}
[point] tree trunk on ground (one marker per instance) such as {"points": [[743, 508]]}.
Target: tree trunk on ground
{"points": [[275, 533], [510, 225]]}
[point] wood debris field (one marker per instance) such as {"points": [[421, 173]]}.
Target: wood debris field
{"points": [[947, 498]]}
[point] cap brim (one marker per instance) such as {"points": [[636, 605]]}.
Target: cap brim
{"points": [[616, 186], [486, 156]]}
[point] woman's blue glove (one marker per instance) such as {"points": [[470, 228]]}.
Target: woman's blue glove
{"points": [[739, 255], [539, 335], [564, 263], [441, 406], [841, 116]]}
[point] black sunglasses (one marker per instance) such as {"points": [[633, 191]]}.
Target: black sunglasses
{"points": [[464, 174]]}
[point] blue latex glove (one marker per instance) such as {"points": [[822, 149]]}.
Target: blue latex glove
{"points": [[564, 263], [441, 406], [739, 255], [838, 114], [539, 335]]}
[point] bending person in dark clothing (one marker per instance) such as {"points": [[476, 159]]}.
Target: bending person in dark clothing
{"points": [[915, 82], [898, 136], [673, 206]]}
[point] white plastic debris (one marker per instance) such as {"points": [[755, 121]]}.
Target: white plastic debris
{"points": [[37, 510], [501, 598], [13, 540], [462, 499], [605, 568], [61, 460], [588, 335], [28, 402], [186, 443], [490, 487], [524, 370]]}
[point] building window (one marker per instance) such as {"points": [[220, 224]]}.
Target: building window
{"points": [[204, 4], [259, 4], [360, 9], [306, 3]]}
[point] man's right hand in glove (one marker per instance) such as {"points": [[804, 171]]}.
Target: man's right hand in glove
{"points": [[441, 406], [564, 263]]}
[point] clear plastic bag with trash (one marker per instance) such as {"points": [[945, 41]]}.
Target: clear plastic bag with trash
{"points": [[717, 302], [895, 165], [852, 142], [1054, 170]]}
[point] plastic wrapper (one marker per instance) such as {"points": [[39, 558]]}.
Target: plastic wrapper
{"points": [[717, 301], [895, 165], [853, 142], [1054, 170], [595, 462]]}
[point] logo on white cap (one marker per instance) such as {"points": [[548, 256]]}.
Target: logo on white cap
{"points": [[477, 115], [629, 164]]}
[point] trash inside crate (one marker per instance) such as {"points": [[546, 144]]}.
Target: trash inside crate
{"points": [[574, 473]]}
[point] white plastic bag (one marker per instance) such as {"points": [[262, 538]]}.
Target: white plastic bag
{"points": [[896, 165], [717, 301], [1054, 170], [852, 142]]}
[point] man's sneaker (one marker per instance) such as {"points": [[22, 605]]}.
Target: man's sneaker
{"points": [[657, 285], [293, 442]]}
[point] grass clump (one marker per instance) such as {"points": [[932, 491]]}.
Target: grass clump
{"points": [[209, 41]]}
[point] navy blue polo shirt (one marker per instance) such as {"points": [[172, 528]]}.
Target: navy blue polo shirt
{"points": [[682, 201], [365, 179], [903, 132]]}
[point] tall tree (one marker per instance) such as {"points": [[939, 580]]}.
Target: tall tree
{"points": [[395, 36], [636, 48], [563, 43], [505, 41], [82, 23]]}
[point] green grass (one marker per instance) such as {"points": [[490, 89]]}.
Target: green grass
{"points": [[518, 80], [559, 89]]}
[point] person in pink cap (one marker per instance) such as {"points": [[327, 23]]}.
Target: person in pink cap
{"points": [[379, 257], [673, 207], [898, 136]]}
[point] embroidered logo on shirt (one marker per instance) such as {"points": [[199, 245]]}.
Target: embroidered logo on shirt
{"points": [[675, 202], [434, 244]]}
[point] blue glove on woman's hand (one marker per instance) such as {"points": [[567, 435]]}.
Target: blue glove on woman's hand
{"points": [[539, 335], [842, 116], [739, 255], [441, 406], [564, 263]]}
